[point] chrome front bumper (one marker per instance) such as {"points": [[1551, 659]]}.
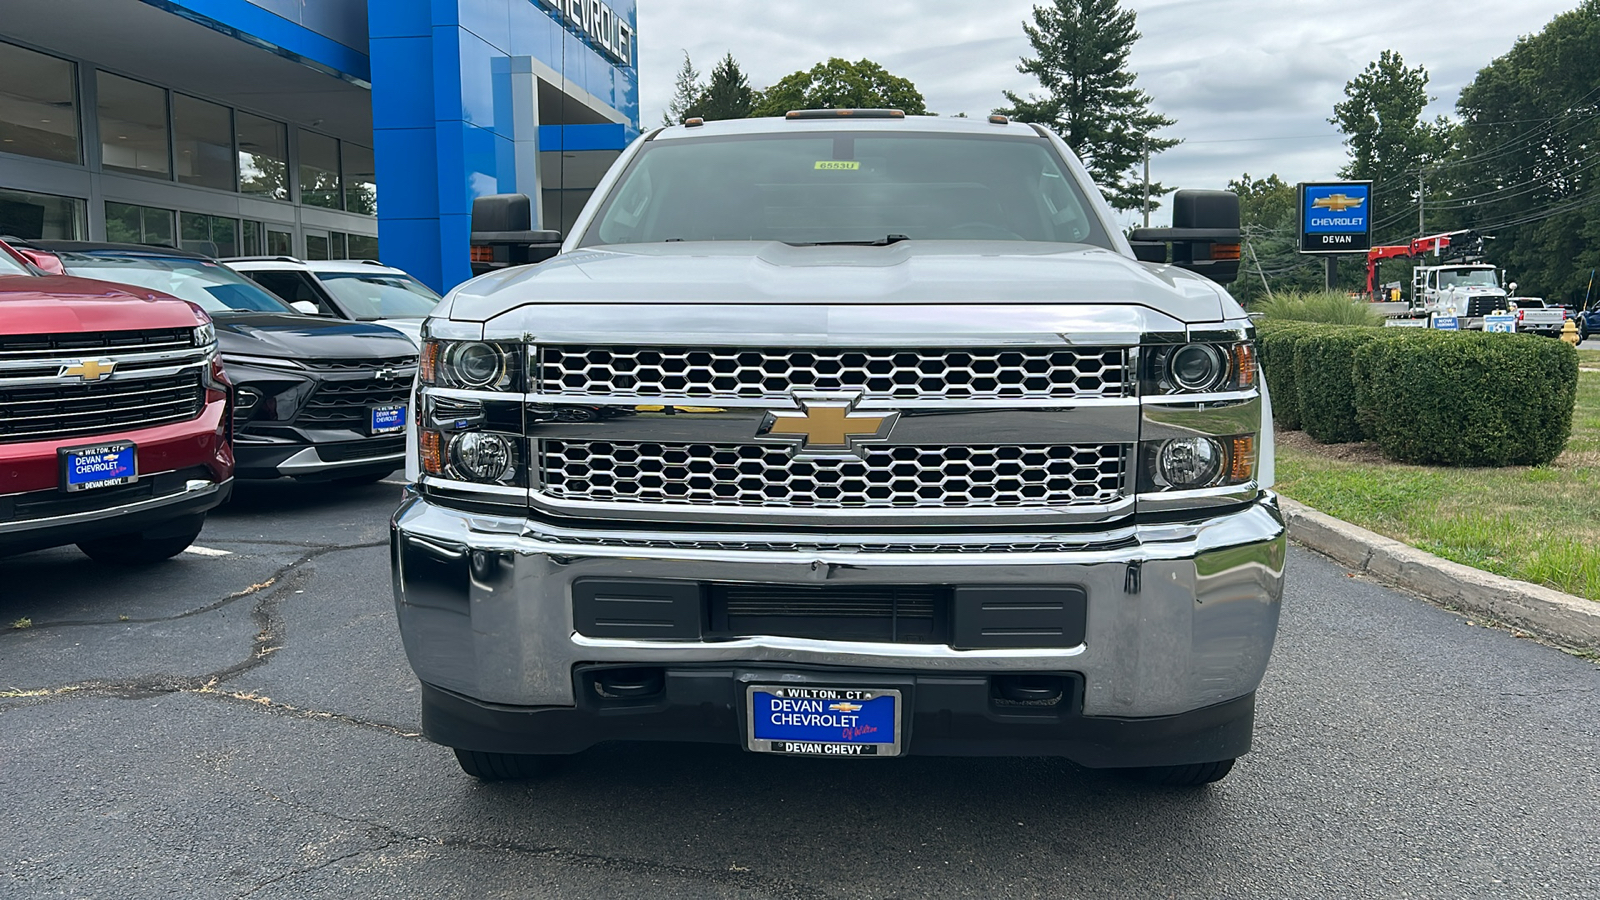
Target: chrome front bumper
{"points": [[1180, 617]]}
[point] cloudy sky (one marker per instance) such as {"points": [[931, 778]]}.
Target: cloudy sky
{"points": [[1250, 82]]}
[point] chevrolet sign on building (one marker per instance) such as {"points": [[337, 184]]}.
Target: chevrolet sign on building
{"points": [[1336, 218]]}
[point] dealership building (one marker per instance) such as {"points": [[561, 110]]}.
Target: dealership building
{"points": [[322, 129]]}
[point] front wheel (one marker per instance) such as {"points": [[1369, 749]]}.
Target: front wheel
{"points": [[1192, 775], [139, 549], [503, 766]]}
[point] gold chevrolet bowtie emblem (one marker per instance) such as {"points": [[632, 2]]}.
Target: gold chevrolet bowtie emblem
{"points": [[89, 369], [1338, 202], [827, 423]]}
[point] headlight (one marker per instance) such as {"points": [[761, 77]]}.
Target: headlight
{"points": [[1200, 369], [473, 365], [205, 335], [1197, 463], [481, 456]]}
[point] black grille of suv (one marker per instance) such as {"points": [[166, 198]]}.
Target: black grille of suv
{"points": [[88, 408], [348, 404]]}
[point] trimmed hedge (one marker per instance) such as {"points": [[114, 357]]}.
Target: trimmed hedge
{"points": [[1467, 399], [1453, 398], [1324, 382], [1276, 343]]}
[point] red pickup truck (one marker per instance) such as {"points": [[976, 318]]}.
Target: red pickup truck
{"points": [[115, 417]]}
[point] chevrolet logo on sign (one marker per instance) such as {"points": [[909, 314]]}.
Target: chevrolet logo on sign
{"points": [[89, 369], [826, 423], [1339, 202]]}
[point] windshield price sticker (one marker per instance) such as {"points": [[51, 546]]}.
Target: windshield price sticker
{"points": [[838, 165], [87, 468], [805, 721]]}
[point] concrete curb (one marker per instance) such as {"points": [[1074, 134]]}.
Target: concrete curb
{"points": [[1548, 613]]}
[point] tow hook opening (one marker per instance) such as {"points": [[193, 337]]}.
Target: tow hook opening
{"points": [[630, 684], [1028, 690]]}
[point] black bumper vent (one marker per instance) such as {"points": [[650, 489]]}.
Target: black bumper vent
{"points": [[907, 615]]}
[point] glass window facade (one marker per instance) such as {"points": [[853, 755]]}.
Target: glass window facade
{"points": [[133, 127], [363, 246], [263, 157], [360, 180], [319, 171], [130, 224], [38, 105], [204, 139], [211, 235], [280, 242], [42, 216]]}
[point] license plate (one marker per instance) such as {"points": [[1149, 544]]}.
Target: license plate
{"points": [[823, 721], [388, 419], [103, 465]]}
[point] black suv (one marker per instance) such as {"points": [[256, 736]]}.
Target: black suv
{"points": [[315, 399]]}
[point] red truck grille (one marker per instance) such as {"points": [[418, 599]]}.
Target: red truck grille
{"points": [[64, 410]]}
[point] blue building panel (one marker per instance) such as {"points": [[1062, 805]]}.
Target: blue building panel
{"points": [[262, 28], [445, 128]]}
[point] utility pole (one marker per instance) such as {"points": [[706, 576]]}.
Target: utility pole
{"points": [[1422, 201], [1147, 184]]}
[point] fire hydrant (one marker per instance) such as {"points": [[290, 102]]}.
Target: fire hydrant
{"points": [[1569, 332]]}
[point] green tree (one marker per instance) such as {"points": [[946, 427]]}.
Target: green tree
{"points": [[687, 90], [728, 96], [840, 84], [1390, 143], [1527, 165], [1089, 95], [1270, 220]]}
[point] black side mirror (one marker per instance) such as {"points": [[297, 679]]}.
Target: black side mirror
{"points": [[503, 235], [1204, 236]]}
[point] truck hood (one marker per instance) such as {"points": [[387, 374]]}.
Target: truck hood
{"points": [[908, 273], [283, 336], [58, 303]]}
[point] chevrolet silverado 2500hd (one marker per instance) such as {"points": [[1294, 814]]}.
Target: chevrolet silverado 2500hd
{"points": [[851, 435]]}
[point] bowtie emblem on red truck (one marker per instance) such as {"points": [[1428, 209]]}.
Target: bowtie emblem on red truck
{"points": [[89, 369]]}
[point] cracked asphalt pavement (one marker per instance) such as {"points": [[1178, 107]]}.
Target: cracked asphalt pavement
{"points": [[242, 723]]}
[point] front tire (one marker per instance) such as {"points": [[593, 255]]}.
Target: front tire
{"points": [[503, 766], [138, 549], [1192, 775]]}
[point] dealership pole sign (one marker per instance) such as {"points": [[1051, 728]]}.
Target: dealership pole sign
{"points": [[1336, 217]]}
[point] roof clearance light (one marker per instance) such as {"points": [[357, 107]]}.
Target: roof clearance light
{"points": [[845, 113], [998, 119], [695, 122]]}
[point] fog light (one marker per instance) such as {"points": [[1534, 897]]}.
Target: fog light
{"points": [[482, 457], [1190, 462]]}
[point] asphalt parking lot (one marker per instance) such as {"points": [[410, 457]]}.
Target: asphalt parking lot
{"points": [[242, 723]]}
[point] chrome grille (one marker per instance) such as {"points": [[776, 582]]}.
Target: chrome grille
{"points": [[885, 478], [87, 408], [1021, 373]]}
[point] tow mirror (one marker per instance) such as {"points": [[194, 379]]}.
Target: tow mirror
{"points": [[1204, 237], [503, 235]]}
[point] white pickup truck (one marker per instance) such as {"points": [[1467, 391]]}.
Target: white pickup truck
{"points": [[1534, 316]]}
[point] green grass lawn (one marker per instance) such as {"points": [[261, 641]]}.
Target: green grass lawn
{"points": [[1534, 524]]}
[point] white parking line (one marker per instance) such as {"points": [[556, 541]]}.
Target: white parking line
{"points": [[207, 551]]}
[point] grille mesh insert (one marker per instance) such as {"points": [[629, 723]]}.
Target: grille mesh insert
{"points": [[979, 374], [887, 477]]}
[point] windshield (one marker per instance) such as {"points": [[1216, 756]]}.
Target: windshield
{"points": [[209, 285], [10, 266], [847, 187], [1467, 278], [379, 295]]}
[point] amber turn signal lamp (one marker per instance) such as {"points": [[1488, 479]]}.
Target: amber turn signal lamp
{"points": [[1224, 251], [1244, 363], [432, 454], [1243, 459], [428, 365]]}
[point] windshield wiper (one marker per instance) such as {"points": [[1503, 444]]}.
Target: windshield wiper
{"points": [[880, 242]]}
